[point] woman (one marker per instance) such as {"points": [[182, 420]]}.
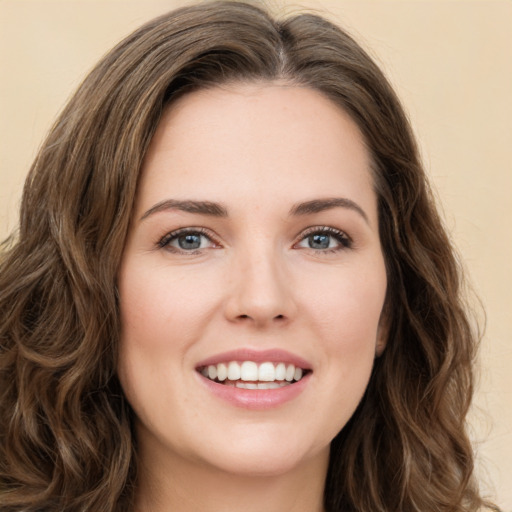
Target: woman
{"points": [[231, 289]]}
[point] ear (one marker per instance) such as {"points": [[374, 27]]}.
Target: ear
{"points": [[382, 331], [380, 346]]}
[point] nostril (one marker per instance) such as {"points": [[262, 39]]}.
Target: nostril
{"points": [[245, 317]]}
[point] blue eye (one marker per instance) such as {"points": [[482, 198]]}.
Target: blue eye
{"points": [[186, 240], [189, 241], [320, 241], [325, 239]]}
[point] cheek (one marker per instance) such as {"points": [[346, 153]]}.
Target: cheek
{"points": [[161, 305], [348, 326], [346, 319], [162, 314], [348, 310]]}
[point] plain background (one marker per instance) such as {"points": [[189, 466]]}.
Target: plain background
{"points": [[451, 63]]}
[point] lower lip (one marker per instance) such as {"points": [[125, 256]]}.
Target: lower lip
{"points": [[258, 399]]}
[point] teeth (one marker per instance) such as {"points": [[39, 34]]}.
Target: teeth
{"points": [[246, 385], [212, 372], [272, 385], [250, 375], [260, 385], [290, 372], [266, 372], [234, 371], [222, 372], [249, 371], [281, 371]]}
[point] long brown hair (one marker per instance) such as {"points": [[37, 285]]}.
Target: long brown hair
{"points": [[66, 442]]}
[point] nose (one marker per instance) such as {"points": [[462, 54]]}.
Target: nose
{"points": [[260, 291]]}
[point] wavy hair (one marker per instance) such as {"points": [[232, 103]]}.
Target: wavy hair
{"points": [[66, 439]]}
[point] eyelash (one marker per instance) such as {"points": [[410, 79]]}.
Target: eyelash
{"points": [[344, 241]]}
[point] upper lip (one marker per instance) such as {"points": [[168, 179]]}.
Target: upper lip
{"points": [[258, 356]]}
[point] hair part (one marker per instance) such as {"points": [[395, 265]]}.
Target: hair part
{"points": [[66, 440]]}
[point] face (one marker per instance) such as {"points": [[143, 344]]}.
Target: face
{"points": [[252, 281]]}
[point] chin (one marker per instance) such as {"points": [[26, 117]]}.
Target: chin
{"points": [[266, 458]]}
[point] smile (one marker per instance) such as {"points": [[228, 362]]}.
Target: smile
{"points": [[255, 379], [252, 375]]}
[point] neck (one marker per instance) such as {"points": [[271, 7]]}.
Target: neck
{"points": [[187, 486]]}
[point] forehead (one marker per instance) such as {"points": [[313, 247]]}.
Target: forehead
{"points": [[238, 141]]}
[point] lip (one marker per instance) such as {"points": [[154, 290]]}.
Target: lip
{"points": [[255, 399], [258, 356]]}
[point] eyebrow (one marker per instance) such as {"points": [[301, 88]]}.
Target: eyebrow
{"points": [[200, 207], [218, 210], [320, 205]]}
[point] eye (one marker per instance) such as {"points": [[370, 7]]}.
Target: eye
{"points": [[187, 240], [324, 239]]}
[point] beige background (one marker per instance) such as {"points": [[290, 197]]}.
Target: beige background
{"points": [[451, 62]]}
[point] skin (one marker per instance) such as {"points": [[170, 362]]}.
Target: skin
{"points": [[256, 282]]}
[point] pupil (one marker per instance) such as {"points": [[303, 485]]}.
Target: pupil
{"points": [[319, 241], [190, 241]]}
